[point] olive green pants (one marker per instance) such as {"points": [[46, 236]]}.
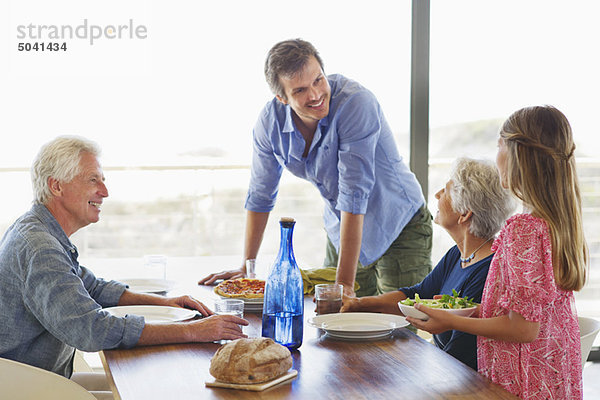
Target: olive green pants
{"points": [[406, 262]]}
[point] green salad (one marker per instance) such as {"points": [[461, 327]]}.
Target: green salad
{"points": [[447, 301]]}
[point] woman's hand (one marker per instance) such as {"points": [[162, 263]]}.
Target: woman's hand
{"points": [[439, 321]]}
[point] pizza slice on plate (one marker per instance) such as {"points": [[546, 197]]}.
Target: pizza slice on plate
{"points": [[248, 288]]}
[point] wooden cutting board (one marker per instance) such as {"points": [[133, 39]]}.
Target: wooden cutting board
{"points": [[256, 387]]}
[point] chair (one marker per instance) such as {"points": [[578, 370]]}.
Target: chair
{"points": [[588, 329], [20, 381], [80, 364]]}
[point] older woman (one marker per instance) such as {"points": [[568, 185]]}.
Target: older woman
{"points": [[471, 208]]}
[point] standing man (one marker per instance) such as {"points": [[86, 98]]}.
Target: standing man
{"points": [[332, 132], [49, 304]]}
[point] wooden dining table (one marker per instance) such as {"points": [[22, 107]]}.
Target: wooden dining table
{"points": [[400, 366]]}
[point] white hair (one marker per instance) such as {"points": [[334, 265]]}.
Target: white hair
{"points": [[476, 187], [58, 159]]}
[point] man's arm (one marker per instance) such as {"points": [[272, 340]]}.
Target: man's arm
{"points": [[351, 227], [216, 327], [256, 222]]}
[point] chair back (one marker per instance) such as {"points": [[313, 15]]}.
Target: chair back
{"points": [[20, 381], [588, 329]]}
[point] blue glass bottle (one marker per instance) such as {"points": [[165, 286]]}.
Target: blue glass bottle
{"points": [[283, 309]]}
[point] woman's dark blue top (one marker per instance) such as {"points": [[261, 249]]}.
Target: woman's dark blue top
{"points": [[469, 281]]}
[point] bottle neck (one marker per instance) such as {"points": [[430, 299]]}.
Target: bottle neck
{"points": [[286, 250]]}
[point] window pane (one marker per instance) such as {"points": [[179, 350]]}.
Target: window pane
{"points": [[187, 118]]}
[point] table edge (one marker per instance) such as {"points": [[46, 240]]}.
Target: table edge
{"points": [[109, 377]]}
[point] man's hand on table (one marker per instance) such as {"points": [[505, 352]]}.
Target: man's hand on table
{"points": [[217, 327], [130, 298], [231, 274], [188, 302], [209, 329]]}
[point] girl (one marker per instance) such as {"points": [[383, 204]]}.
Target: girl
{"points": [[528, 334]]}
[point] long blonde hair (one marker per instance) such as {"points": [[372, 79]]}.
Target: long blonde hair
{"points": [[541, 172]]}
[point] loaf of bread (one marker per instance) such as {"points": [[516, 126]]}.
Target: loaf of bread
{"points": [[250, 361]]}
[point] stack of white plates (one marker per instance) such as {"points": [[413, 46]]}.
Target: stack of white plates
{"points": [[253, 305], [356, 326]]}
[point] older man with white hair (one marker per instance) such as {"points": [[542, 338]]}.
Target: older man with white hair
{"points": [[49, 304]]}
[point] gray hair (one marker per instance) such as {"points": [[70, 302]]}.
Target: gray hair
{"points": [[476, 187], [285, 59], [58, 159]]}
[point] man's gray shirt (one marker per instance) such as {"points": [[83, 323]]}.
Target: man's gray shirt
{"points": [[49, 304]]}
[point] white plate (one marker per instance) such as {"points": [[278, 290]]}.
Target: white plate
{"points": [[154, 313], [253, 308], [362, 336], [411, 311], [149, 285], [358, 325]]}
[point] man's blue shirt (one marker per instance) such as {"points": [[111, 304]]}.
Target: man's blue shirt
{"points": [[49, 304], [353, 162], [469, 281]]}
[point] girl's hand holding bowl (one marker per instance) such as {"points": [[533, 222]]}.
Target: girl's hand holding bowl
{"points": [[438, 321]]}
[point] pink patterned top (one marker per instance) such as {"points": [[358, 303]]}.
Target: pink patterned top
{"points": [[521, 279]]}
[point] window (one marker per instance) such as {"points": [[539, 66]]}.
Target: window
{"points": [[491, 58], [176, 135]]}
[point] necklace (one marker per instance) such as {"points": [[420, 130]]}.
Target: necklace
{"points": [[468, 259]]}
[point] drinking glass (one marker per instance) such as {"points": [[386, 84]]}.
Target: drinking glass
{"points": [[251, 268], [328, 297], [229, 307]]}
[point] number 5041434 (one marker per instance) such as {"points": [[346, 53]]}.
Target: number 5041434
{"points": [[42, 46]]}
